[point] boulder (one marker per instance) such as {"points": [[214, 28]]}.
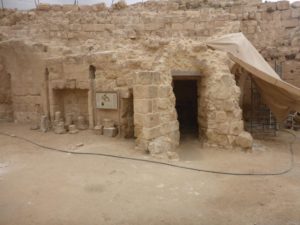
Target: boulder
{"points": [[244, 140]]}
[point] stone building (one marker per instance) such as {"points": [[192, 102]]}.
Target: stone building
{"points": [[143, 56]]}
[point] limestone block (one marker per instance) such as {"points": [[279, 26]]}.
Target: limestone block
{"points": [[99, 7], [141, 92], [69, 7], [164, 104], [283, 5], [93, 27], [244, 140], [296, 4], [85, 8], [70, 83], [164, 91], [148, 120], [160, 146], [107, 123], [291, 23], [222, 128], [220, 117], [296, 13], [44, 124], [143, 106], [59, 84], [286, 14], [169, 127], [218, 139], [177, 26], [236, 127], [150, 133], [72, 129], [81, 123], [43, 7], [144, 78], [121, 82], [59, 128], [110, 131]]}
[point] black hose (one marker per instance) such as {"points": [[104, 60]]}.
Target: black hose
{"points": [[164, 163]]}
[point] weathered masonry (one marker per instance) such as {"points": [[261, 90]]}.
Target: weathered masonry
{"points": [[141, 58]]}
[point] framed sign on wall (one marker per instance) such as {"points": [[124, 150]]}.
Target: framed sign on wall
{"points": [[107, 100]]}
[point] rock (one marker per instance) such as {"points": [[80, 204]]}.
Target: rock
{"points": [[110, 131], [160, 146], [72, 129], [108, 123], [98, 130], [296, 4], [244, 140], [81, 123], [44, 125], [59, 128], [79, 145], [173, 156]]}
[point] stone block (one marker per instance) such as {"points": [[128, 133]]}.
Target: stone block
{"points": [[244, 140], [160, 146], [141, 92], [121, 82], [150, 133], [144, 78], [296, 4], [283, 5], [69, 7], [220, 117], [236, 127], [58, 84], [108, 123], [292, 23], [164, 91], [98, 130], [43, 7], [222, 128], [296, 13], [142, 106], [169, 127], [148, 120], [110, 131]]}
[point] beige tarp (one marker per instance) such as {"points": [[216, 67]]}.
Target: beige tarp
{"points": [[279, 95]]}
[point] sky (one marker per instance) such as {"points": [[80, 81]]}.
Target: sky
{"points": [[28, 4]]}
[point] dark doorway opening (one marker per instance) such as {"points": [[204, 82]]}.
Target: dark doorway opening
{"points": [[187, 107]]}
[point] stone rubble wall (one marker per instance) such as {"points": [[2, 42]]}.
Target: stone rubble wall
{"points": [[130, 45]]}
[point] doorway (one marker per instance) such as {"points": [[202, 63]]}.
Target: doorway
{"points": [[187, 107]]}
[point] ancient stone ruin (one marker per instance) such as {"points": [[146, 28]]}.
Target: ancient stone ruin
{"points": [[64, 62]]}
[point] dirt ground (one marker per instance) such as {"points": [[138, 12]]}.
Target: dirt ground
{"points": [[43, 187]]}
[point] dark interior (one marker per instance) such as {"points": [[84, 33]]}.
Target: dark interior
{"points": [[187, 107]]}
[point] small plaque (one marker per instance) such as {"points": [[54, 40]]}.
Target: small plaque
{"points": [[106, 100]]}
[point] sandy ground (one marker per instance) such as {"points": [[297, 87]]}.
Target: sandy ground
{"points": [[42, 187]]}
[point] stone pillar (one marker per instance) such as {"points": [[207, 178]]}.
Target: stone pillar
{"points": [[155, 118], [219, 111]]}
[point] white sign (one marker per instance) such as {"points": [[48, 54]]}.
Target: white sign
{"points": [[106, 100]]}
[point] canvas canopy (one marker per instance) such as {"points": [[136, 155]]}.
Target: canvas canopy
{"points": [[279, 95]]}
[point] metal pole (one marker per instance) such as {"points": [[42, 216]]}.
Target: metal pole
{"points": [[2, 4]]}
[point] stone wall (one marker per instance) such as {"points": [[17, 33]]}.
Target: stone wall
{"points": [[6, 109], [134, 49]]}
